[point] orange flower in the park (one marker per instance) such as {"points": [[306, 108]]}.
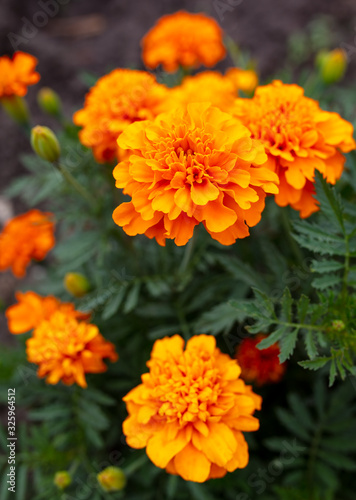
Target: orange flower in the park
{"points": [[66, 349], [17, 74], [190, 410], [208, 86], [260, 366], [190, 165], [25, 237], [116, 100], [299, 137], [243, 79], [183, 39], [32, 309]]}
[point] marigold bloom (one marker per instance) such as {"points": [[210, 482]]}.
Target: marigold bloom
{"points": [[32, 309], [66, 349], [260, 366], [116, 100], [243, 79], [190, 410], [193, 164], [183, 39], [17, 74], [25, 237], [299, 138], [208, 86]]}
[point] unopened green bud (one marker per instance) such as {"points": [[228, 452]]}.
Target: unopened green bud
{"points": [[45, 143], [62, 479], [16, 107], [331, 65], [49, 101], [76, 284], [338, 325], [112, 479]]}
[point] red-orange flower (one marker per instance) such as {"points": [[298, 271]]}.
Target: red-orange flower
{"points": [[183, 39], [17, 74], [194, 164], [260, 366], [299, 137], [116, 100], [66, 349], [190, 410], [32, 309], [25, 237]]}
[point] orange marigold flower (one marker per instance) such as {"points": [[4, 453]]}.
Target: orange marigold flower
{"points": [[32, 309], [299, 138], [25, 237], [66, 349], [17, 74], [183, 39], [116, 100], [190, 410], [260, 366], [208, 86], [243, 79], [193, 164]]}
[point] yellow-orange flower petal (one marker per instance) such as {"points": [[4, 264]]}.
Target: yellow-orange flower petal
{"points": [[299, 138], [17, 74], [26, 237], [190, 410], [116, 100], [195, 164], [183, 39], [243, 79], [66, 349]]}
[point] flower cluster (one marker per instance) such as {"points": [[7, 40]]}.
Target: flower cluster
{"points": [[190, 410], [17, 74]]}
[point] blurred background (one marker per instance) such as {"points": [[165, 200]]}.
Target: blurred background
{"points": [[74, 39]]}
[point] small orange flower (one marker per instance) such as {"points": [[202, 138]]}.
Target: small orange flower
{"points": [[32, 309], [17, 74], [194, 164], [190, 410], [260, 366], [25, 237], [116, 100], [299, 138], [243, 79], [183, 39], [208, 86], [66, 349]]}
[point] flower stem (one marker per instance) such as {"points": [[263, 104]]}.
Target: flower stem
{"points": [[75, 184], [137, 464], [187, 255]]}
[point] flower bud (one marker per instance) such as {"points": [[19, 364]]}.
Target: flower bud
{"points": [[16, 107], [76, 284], [112, 479], [49, 101], [338, 325], [45, 143], [331, 65], [62, 479]]}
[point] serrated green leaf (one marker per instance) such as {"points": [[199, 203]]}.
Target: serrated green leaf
{"points": [[327, 475], [220, 318], [337, 460], [132, 298], [286, 304], [332, 372], [292, 424], [326, 266], [314, 364], [114, 303], [272, 338], [264, 301], [302, 307], [287, 345], [326, 281], [301, 411], [330, 202], [310, 345]]}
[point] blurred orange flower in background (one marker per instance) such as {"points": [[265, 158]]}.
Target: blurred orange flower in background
{"points": [[194, 164], [66, 349], [117, 100], [243, 79], [299, 137], [17, 74], [183, 39], [25, 237], [190, 410], [259, 366], [32, 309]]}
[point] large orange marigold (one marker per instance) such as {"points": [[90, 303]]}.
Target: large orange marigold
{"points": [[260, 366], [116, 100], [17, 74], [183, 39], [32, 309], [194, 164], [25, 237], [190, 410], [299, 138], [66, 349]]}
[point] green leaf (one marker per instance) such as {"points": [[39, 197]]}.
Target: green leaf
{"points": [[264, 301], [310, 345], [330, 202], [287, 345], [114, 303], [21, 482], [132, 298], [49, 413], [300, 410], [220, 318], [333, 372], [302, 308], [286, 303], [314, 364], [337, 460], [292, 424], [272, 338], [326, 281], [327, 475], [326, 266]]}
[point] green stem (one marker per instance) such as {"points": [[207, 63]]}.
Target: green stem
{"points": [[347, 269], [187, 255], [300, 325], [137, 464], [75, 184]]}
